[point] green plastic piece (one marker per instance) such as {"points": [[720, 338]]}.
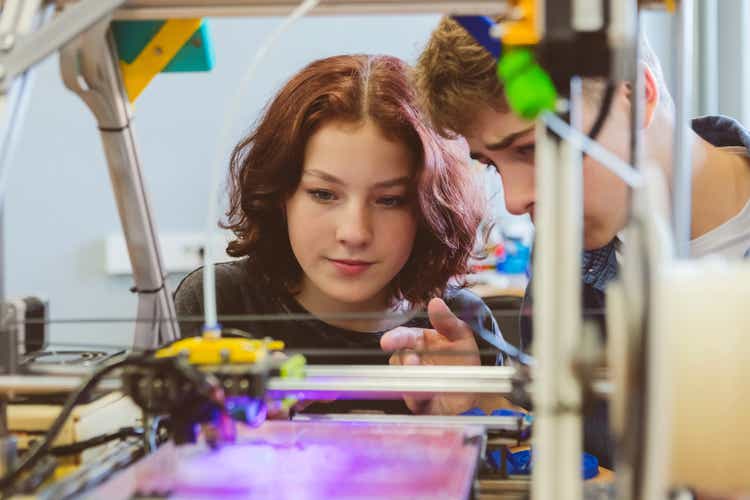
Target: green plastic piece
{"points": [[132, 36], [294, 367], [528, 88]]}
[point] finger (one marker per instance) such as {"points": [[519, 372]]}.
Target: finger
{"points": [[445, 322], [409, 358], [401, 338], [416, 405], [402, 358]]}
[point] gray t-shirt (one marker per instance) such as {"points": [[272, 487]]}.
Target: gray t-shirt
{"points": [[731, 239]]}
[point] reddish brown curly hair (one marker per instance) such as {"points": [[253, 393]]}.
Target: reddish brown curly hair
{"points": [[266, 167]]}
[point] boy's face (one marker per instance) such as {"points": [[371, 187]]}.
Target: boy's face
{"points": [[507, 142]]}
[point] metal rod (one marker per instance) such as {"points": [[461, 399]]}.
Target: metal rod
{"points": [[359, 388], [744, 65], [510, 424], [26, 385], [569, 329], [402, 372], [544, 484], [709, 57], [386, 381], [682, 158], [513, 425], [2, 250], [160, 9], [14, 99], [14, 111]]}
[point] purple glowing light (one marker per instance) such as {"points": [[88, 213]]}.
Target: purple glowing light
{"points": [[321, 460]]}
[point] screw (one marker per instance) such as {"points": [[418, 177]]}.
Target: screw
{"points": [[7, 41], [497, 31]]}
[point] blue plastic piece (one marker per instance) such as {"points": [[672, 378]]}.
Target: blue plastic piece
{"points": [[517, 257], [520, 463], [479, 28], [501, 412], [474, 412], [506, 412]]}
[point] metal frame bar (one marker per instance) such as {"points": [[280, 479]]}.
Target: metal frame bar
{"points": [[48, 39], [510, 424], [404, 372], [161, 9], [388, 388], [708, 19], [557, 317], [353, 381], [90, 68], [15, 20], [682, 172]]}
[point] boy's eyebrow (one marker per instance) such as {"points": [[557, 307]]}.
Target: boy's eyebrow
{"points": [[398, 181], [508, 139]]}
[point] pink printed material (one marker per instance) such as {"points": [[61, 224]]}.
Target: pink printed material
{"points": [[316, 460]]}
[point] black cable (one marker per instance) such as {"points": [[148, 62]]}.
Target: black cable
{"points": [[40, 447], [609, 94], [42, 471], [72, 449]]}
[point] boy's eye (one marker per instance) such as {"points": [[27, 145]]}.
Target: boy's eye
{"points": [[526, 149], [321, 194]]}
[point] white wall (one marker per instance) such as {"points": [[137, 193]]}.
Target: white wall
{"points": [[721, 61], [60, 206]]}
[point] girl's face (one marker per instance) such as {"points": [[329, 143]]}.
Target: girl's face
{"points": [[351, 220]]}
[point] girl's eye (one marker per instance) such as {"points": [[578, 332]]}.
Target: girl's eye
{"points": [[321, 194], [392, 201]]}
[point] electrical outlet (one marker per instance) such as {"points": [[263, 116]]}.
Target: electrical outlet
{"points": [[180, 252]]}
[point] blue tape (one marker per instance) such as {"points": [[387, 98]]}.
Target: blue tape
{"points": [[479, 28]]}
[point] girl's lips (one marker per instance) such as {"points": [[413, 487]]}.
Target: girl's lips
{"points": [[350, 267]]}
